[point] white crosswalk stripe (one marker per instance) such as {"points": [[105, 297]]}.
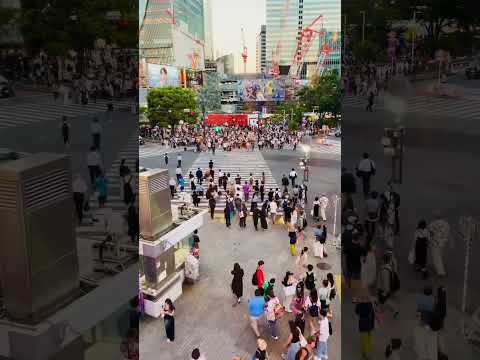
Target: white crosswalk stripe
{"points": [[95, 230], [441, 106], [153, 150], [333, 148], [13, 115], [234, 162]]}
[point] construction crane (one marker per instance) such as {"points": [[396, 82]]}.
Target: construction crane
{"points": [[244, 52], [308, 35]]}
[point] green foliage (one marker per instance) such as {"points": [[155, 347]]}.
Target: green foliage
{"points": [[75, 24], [365, 51], [167, 106], [322, 95], [292, 112]]}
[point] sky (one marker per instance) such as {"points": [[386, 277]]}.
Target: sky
{"points": [[228, 16]]}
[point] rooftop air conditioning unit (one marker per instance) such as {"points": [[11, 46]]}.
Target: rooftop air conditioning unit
{"points": [[155, 207], [38, 252]]}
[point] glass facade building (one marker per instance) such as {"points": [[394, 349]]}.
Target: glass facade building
{"points": [[284, 26]]}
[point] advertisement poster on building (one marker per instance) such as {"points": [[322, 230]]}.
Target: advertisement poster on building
{"points": [[162, 75], [261, 90]]}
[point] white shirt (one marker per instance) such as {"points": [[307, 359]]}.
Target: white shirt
{"points": [[93, 159], [273, 207], [324, 330], [293, 174], [178, 171], [79, 186], [172, 182], [366, 165], [323, 201]]}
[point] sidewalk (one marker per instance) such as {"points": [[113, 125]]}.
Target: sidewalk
{"points": [[455, 345]]}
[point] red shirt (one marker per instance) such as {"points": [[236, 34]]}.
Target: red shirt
{"points": [[260, 278]]}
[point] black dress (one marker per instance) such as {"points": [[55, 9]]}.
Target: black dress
{"points": [[263, 218], [169, 322], [237, 283], [421, 246]]}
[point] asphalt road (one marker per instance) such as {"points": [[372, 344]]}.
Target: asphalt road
{"points": [[440, 173]]}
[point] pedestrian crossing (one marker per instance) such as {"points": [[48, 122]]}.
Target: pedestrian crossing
{"points": [[234, 162], [95, 230], [440, 106], [153, 150], [13, 115], [330, 147]]}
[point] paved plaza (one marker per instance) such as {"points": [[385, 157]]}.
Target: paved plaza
{"points": [[205, 317]]}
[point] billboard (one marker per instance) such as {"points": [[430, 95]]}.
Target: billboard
{"points": [[261, 90], [227, 120], [162, 75]]}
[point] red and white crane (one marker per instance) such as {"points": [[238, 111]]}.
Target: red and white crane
{"points": [[307, 36]]}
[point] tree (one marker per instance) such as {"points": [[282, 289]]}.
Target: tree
{"points": [[291, 112], [323, 94], [167, 106]]}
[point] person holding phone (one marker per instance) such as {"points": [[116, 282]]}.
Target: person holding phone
{"points": [[167, 314]]}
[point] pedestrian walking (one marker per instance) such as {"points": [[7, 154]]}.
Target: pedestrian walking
{"points": [[365, 170], [255, 216], [273, 309], [324, 334], [133, 223], [261, 352], [292, 344], [292, 235], [237, 282], [419, 253], [65, 131], [302, 261], [316, 209], [259, 276], [179, 160], [312, 305], [212, 203], [94, 164], [323, 207], [371, 97], [263, 216], [172, 184], [365, 311], [256, 307], [96, 131], [128, 195], [293, 176], [289, 284], [101, 187], [79, 187], [439, 233], [165, 157], [167, 313], [228, 213], [242, 215]]}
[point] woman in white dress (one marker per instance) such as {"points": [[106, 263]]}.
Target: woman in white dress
{"points": [[289, 284]]}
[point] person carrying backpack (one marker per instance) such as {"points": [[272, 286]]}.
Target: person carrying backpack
{"points": [[313, 305], [258, 277], [309, 278]]}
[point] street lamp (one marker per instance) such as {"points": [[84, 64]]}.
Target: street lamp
{"points": [[363, 25], [393, 147]]}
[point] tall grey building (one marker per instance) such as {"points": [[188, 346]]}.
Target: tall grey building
{"points": [[261, 55], [207, 19]]}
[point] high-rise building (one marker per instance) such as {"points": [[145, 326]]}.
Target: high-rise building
{"points": [[285, 24], [261, 58], [207, 17], [172, 33]]}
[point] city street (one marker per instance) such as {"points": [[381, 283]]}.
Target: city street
{"points": [[225, 331], [439, 173]]}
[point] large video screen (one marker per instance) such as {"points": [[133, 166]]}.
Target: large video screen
{"points": [[162, 75], [261, 90]]}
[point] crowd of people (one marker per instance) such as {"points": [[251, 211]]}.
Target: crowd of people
{"points": [[370, 228], [226, 138], [101, 72]]}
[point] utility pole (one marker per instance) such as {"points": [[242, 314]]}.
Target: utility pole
{"points": [[363, 25]]}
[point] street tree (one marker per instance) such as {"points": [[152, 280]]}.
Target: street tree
{"points": [[168, 106], [322, 94]]}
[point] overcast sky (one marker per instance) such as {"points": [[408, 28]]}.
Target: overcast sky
{"points": [[228, 16]]}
